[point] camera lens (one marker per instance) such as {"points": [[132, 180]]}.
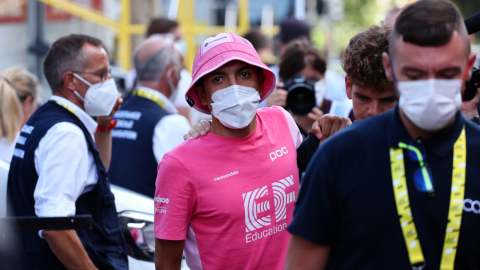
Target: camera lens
{"points": [[301, 100]]}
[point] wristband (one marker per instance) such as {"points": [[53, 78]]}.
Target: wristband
{"points": [[107, 128]]}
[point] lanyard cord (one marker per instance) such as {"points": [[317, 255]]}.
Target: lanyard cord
{"points": [[407, 224], [65, 106], [145, 94]]}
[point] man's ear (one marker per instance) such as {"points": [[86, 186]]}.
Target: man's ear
{"points": [[68, 80], [348, 86], [471, 61], [387, 65], [201, 95], [261, 80]]}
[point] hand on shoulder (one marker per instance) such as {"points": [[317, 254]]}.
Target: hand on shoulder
{"points": [[329, 124]]}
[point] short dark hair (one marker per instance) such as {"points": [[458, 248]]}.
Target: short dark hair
{"points": [[64, 55], [428, 23], [362, 59], [258, 40], [161, 26], [297, 55]]}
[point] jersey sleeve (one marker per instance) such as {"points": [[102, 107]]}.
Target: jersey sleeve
{"points": [[174, 201], [316, 218], [292, 126]]}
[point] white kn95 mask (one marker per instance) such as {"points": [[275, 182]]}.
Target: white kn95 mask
{"points": [[100, 97], [430, 104], [235, 106]]}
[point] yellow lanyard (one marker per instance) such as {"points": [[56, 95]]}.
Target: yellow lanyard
{"points": [[145, 94], [412, 242], [65, 106]]}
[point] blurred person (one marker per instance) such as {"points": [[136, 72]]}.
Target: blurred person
{"points": [[11, 117], [301, 58], [148, 123], [291, 29], [263, 45], [372, 184], [367, 86], [164, 26], [208, 190], [56, 169], [16, 107]]}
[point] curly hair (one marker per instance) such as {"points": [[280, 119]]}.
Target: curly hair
{"points": [[298, 54], [362, 59]]}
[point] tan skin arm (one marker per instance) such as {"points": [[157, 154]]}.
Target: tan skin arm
{"points": [[305, 255], [103, 140], [168, 254], [69, 250]]}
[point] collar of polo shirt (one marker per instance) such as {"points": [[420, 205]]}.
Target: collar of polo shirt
{"points": [[440, 144]]}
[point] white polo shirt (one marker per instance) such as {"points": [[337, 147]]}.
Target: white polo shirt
{"points": [[169, 131]]}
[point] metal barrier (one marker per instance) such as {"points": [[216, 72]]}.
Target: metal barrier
{"points": [[124, 28]]}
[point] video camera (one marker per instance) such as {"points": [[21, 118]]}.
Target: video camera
{"points": [[301, 95]]}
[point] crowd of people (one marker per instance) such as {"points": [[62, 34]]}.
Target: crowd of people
{"points": [[344, 186]]}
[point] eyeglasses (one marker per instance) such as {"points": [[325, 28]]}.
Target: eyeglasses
{"points": [[422, 176], [103, 74]]}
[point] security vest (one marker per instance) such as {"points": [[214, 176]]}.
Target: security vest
{"points": [[105, 243], [133, 164]]}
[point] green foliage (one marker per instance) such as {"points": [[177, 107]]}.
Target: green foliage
{"points": [[467, 7], [359, 15]]}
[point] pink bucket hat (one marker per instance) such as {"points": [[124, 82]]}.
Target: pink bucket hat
{"points": [[214, 53]]}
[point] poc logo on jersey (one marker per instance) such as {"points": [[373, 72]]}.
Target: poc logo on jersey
{"points": [[278, 153], [161, 200]]}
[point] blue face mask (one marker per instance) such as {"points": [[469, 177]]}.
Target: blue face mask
{"points": [[182, 45]]}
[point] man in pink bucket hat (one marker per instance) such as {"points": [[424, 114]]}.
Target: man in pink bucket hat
{"points": [[226, 198]]}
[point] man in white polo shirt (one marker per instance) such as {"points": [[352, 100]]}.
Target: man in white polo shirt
{"points": [[56, 169]]}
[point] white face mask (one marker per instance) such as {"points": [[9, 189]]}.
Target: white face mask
{"points": [[320, 92], [235, 106], [174, 89], [430, 104], [100, 97]]}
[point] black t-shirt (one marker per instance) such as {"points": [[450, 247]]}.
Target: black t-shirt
{"points": [[347, 200], [306, 151]]}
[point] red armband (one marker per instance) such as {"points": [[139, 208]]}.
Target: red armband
{"points": [[107, 128]]}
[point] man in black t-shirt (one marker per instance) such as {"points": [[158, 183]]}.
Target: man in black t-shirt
{"points": [[399, 190]]}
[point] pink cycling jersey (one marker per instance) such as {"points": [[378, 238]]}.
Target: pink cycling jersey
{"points": [[231, 199]]}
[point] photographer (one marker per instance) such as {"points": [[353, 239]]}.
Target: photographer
{"points": [[301, 58]]}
